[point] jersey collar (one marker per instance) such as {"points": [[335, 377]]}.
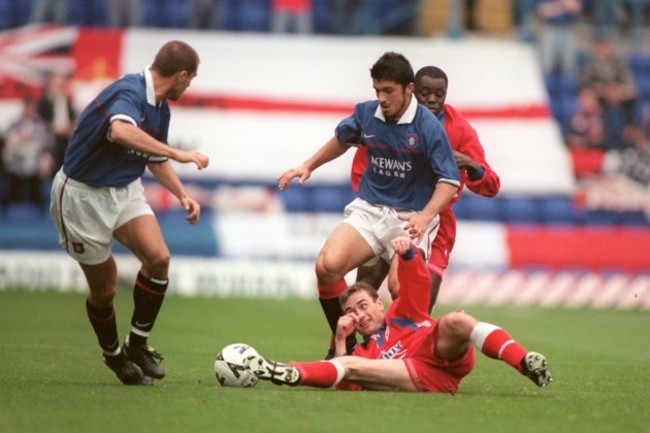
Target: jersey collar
{"points": [[148, 84], [408, 115]]}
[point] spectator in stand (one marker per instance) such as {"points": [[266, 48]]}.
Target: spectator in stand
{"points": [[586, 129], [291, 16], [58, 112], [204, 14], [558, 44], [610, 78], [124, 13], [26, 156], [49, 11]]}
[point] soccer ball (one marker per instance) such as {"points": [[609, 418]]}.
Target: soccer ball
{"points": [[229, 366]]}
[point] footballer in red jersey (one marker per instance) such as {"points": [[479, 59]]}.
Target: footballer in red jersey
{"points": [[403, 349]]}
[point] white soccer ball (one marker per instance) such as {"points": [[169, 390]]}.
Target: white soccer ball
{"points": [[229, 366]]}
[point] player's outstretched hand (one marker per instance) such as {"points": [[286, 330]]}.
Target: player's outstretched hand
{"points": [[197, 158], [301, 172], [401, 244], [193, 209]]}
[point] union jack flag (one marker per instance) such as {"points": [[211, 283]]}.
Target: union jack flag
{"points": [[29, 54]]}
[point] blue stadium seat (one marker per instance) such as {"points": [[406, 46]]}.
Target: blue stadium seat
{"points": [[295, 199], [520, 210], [331, 198], [558, 210], [26, 212], [481, 208]]}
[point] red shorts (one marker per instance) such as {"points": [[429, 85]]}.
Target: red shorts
{"points": [[428, 372], [443, 243]]}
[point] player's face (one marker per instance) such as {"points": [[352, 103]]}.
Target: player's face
{"points": [[431, 92], [368, 314], [393, 98], [183, 81]]}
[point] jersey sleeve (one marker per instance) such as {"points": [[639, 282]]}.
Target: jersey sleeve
{"points": [[489, 183], [415, 292], [348, 131], [441, 157], [126, 106]]}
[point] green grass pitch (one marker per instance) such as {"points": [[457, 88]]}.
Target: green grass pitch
{"points": [[52, 378]]}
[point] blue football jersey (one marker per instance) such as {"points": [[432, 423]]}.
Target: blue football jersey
{"points": [[406, 159], [95, 160]]}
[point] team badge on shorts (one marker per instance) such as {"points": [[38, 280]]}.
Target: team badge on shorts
{"points": [[78, 247]]}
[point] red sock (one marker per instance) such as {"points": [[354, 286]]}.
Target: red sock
{"points": [[500, 345], [320, 374]]}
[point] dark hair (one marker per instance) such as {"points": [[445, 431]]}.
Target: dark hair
{"points": [[394, 67], [358, 287], [430, 71], [175, 56]]}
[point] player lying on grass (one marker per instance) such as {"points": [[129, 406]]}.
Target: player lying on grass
{"points": [[404, 349]]}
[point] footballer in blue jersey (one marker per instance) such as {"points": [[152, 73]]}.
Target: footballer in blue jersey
{"points": [[94, 159], [411, 177], [406, 159], [97, 197]]}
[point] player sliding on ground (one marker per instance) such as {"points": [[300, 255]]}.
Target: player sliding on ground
{"points": [[404, 349]]}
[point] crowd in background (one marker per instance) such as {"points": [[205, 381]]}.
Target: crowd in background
{"points": [[601, 103]]}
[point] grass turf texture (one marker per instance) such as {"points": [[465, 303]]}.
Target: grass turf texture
{"points": [[52, 378]]}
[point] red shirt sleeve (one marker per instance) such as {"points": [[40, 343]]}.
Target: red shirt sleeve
{"points": [[414, 289], [359, 165], [464, 139]]}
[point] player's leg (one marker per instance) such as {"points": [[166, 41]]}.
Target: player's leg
{"points": [[372, 374], [377, 374], [142, 236], [72, 206], [439, 255], [344, 250], [458, 329], [102, 280], [373, 274]]}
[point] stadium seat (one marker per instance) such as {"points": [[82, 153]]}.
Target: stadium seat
{"points": [[331, 198], [482, 208], [26, 212], [558, 210], [295, 199], [521, 210]]}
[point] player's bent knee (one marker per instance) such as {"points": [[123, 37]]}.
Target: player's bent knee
{"points": [[328, 271], [158, 263], [456, 323]]}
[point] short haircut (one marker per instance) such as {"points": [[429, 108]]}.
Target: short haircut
{"points": [[393, 67], [430, 71], [175, 56], [358, 287]]}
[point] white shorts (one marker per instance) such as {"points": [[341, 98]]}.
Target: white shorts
{"points": [[86, 217], [379, 225]]}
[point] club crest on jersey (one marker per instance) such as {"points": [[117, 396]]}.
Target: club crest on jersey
{"points": [[412, 140]]}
